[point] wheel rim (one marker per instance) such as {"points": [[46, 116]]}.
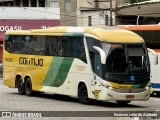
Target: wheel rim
{"points": [[28, 88], [84, 95]]}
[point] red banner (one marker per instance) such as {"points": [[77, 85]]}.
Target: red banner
{"points": [[22, 24]]}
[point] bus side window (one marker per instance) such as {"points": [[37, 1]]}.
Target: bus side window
{"points": [[8, 43], [94, 55], [66, 46], [27, 49], [51, 45], [38, 45], [78, 49], [17, 43]]}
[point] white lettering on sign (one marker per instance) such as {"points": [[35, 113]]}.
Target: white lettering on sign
{"points": [[6, 28], [45, 27]]}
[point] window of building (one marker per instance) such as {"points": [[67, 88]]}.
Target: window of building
{"points": [[41, 3], [54, 4], [17, 2], [89, 20], [25, 3], [67, 5], [33, 3]]}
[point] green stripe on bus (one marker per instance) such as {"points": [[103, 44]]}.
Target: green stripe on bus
{"points": [[52, 71], [136, 86], [143, 85], [140, 85], [58, 71], [63, 72]]}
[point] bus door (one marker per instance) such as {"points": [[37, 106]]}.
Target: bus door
{"points": [[97, 73], [95, 85]]}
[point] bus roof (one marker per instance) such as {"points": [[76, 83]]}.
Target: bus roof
{"points": [[108, 34], [139, 27]]}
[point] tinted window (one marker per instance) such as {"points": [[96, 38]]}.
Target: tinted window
{"points": [[38, 45], [73, 47], [52, 46], [14, 43], [94, 55], [65, 46], [27, 45]]}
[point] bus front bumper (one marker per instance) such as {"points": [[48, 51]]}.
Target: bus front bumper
{"points": [[109, 95]]}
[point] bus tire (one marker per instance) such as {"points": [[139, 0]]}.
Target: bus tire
{"points": [[123, 102], [28, 87], [158, 94], [83, 95], [20, 86]]}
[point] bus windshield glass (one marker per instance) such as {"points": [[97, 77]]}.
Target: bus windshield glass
{"points": [[124, 60]]}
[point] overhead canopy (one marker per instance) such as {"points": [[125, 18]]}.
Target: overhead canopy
{"points": [[148, 9]]}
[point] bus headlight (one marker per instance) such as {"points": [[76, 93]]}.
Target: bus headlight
{"points": [[110, 87], [107, 86], [147, 87]]}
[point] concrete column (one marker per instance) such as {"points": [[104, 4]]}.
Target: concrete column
{"points": [[21, 3], [29, 1], [14, 3], [37, 3]]}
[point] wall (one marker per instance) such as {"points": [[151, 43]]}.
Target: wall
{"points": [[68, 18], [29, 13], [24, 18], [98, 14]]}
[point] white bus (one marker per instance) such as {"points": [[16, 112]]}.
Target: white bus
{"points": [[84, 62]]}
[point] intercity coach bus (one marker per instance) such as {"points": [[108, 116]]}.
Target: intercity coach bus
{"points": [[151, 36], [84, 62]]}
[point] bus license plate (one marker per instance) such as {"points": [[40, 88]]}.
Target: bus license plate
{"points": [[129, 96]]}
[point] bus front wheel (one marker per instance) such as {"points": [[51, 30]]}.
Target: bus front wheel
{"points": [[83, 95], [20, 86], [158, 93], [28, 87], [123, 102]]}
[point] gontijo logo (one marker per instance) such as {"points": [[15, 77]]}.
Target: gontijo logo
{"points": [[31, 61]]}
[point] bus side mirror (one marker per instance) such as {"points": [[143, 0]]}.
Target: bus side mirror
{"points": [[102, 54], [154, 54]]}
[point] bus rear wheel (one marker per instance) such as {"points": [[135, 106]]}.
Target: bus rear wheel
{"points": [[28, 87], [20, 86], [83, 95], [123, 102]]}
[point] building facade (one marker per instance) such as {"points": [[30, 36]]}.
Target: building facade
{"points": [[27, 14], [87, 12], [140, 13]]}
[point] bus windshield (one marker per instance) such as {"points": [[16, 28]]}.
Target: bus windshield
{"points": [[125, 60]]}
